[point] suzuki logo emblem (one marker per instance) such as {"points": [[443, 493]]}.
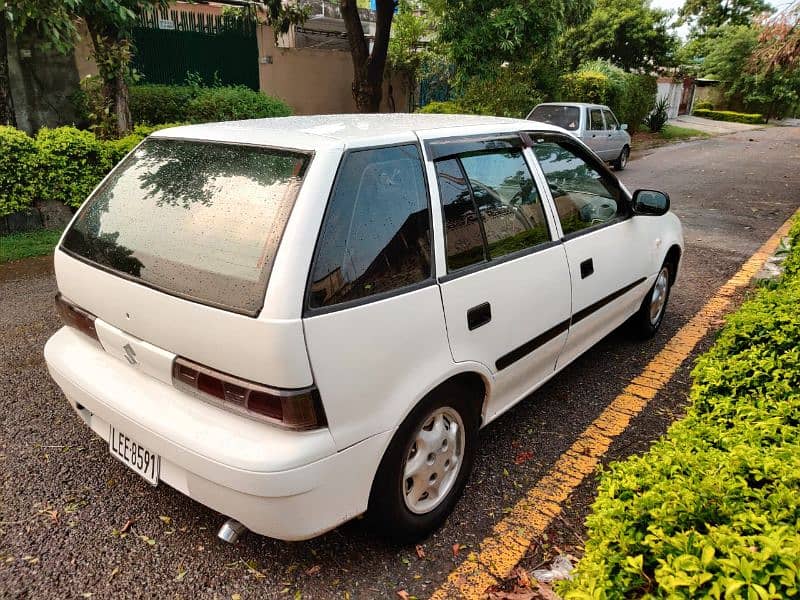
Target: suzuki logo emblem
{"points": [[130, 354]]}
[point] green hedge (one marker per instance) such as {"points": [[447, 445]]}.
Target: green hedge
{"points": [[631, 96], [713, 509], [152, 104], [63, 164], [729, 115], [18, 170], [72, 162], [447, 108]]}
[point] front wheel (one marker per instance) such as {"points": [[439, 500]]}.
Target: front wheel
{"points": [[650, 315], [425, 468], [622, 160]]}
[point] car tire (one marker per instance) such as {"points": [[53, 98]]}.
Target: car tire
{"points": [[622, 161], [647, 320], [398, 507]]}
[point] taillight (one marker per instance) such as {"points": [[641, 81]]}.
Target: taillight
{"points": [[76, 317], [295, 409]]}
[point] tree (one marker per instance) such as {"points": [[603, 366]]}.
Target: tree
{"points": [[406, 53], [706, 14], [49, 19], [779, 41], [481, 35], [630, 33], [368, 67], [732, 58]]}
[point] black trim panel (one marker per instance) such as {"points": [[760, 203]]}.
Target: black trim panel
{"points": [[585, 312], [522, 351], [540, 340], [448, 147], [488, 264]]}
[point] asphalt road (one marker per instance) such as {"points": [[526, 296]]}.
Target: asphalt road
{"points": [[64, 500]]}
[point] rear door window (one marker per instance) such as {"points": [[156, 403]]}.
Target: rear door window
{"points": [[197, 220], [376, 234]]}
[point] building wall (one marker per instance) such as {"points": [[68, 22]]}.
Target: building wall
{"points": [[671, 90], [314, 81], [310, 80]]}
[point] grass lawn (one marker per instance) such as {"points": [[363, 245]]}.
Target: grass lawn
{"points": [[25, 245], [672, 132]]}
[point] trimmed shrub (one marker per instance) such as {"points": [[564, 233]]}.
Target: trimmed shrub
{"points": [[233, 103], [703, 105], [729, 115], [152, 104], [72, 162], [116, 150], [630, 95], [448, 108], [509, 92], [18, 170], [586, 86], [712, 509]]}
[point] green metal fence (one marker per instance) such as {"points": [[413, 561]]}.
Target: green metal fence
{"points": [[170, 44]]}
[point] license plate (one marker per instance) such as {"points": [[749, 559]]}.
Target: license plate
{"points": [[145, 462]]}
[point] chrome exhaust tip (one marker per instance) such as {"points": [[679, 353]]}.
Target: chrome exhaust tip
{"points": [[231, 531]]}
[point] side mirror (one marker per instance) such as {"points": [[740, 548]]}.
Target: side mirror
{"points": [[624, 127], [650, 202]]}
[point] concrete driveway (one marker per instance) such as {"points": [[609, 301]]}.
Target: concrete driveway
{"points": [[711, 126], [76, 523]]}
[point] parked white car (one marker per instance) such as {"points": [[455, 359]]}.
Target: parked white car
{"points": [[594, 124], [296, 321]]}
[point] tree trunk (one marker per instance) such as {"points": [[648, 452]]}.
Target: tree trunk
{"points": [[112, 55], [368, 68], [7, 115]]}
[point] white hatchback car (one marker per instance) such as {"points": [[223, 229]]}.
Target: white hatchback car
{"points": [[296, 321]]}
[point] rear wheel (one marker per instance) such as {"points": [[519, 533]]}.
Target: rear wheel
{"points": [[622, 160], [647, 320], [426, 466]]}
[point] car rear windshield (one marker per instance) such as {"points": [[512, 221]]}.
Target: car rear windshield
{"points": [[566, 117], [197, 220]]}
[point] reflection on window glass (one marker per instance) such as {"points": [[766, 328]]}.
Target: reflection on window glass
{"points": [[376, 234], [197, 220], [462, 230], [568, 117], [596, 120], [508, 201], [583, 195]]}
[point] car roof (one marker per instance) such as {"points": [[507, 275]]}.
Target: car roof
{"points": [[340, 131], [586, 104]]}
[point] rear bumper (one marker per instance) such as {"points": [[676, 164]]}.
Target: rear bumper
{"points": [[283, 484]]}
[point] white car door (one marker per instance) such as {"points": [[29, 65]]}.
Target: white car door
{"points": [[505, 285], [610, 253]]}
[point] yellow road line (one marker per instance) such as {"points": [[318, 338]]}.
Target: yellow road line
{"points": [[500, 552]]}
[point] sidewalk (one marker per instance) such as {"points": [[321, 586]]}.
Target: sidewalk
{"points": [[711, 126]]}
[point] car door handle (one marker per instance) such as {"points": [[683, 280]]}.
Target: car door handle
{"points": [[587, 268], [478, 316]]}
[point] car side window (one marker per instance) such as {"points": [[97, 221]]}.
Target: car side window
{"points": [[611, 120], [376, 233], [491, 206], [583, 193], [596, 120]]}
